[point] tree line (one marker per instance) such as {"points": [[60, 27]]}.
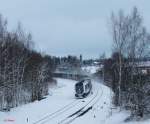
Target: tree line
{"points": [[24, 73], [122, 72]]}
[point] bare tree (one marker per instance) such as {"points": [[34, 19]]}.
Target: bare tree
{"points": [[119, 35], [24, 73], [131, 42]]}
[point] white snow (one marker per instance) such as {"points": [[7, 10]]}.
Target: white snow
{"points": [[61, 103], [90, 69], [59, 96]]}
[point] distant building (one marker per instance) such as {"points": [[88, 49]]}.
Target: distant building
{"points": [[81, 60]]}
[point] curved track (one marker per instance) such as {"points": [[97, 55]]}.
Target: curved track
{"points": [[66, 107], [85, 109], [71, 117]]}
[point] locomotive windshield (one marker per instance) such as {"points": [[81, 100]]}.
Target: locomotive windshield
{"points": [[79, 88]]}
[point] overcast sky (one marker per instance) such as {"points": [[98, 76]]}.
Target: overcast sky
{"points": [[62, 27]]}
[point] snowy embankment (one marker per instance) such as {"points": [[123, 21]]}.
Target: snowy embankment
{"points": [[59, 96], [60, 104], [61, 107]]}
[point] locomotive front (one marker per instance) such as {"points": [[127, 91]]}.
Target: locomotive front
{"points": [[83, 88], [79, 89]]}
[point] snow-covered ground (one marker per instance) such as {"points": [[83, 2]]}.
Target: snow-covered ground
{"points": [[59, 96], [90, 69], [61, 107]]}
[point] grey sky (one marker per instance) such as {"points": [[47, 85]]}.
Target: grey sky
{"points": [[62, 27]]}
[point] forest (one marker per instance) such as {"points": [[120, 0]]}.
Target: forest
{"points": [[24, 73], [123, 70]]}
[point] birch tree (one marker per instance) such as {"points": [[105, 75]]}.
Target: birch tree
{"points": [[119, 36], [131, 42]]}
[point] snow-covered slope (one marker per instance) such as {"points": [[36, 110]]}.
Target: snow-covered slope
{"points": [[58, 106], [61, 107], [59, 96]]}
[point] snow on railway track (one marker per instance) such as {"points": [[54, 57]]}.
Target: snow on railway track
{"points": [[60, 107], [84, 109], [58, 112], [75, 109]]}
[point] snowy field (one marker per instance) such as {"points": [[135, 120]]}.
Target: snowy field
{"points": [[61, 107]]}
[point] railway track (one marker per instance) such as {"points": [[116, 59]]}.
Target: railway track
{"points": [[66, 107], [69, 106], [58, 112], [83, 110]]}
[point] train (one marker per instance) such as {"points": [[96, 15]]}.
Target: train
{"points": [[83, 88]]}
